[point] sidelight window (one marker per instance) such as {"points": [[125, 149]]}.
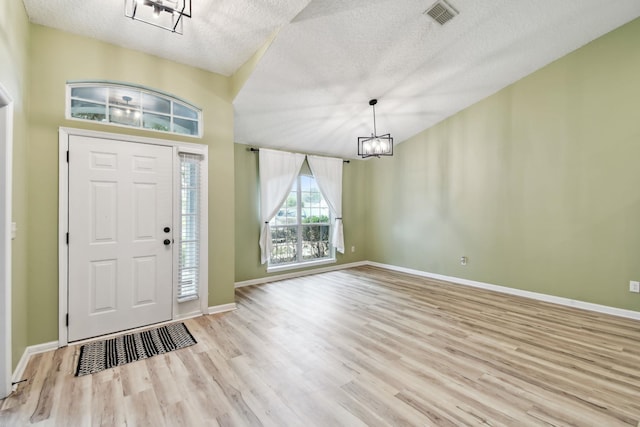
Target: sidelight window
{"points": [[189, 248]]}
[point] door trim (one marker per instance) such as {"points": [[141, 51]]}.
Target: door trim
{"points": [[6, 162], [63, 219]]}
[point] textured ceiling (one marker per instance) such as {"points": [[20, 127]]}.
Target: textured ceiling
{"points": [[220, 36], [310, 90]]}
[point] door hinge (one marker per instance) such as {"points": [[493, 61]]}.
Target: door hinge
{"points": [[67, 319], [67, 238], [67, 156]]}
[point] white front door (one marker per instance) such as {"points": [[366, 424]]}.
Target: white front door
{"points": [[120, 235]]}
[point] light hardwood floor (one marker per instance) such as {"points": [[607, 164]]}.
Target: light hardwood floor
{"points": [[357, 347]]}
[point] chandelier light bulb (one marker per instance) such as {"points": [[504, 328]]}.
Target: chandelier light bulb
{"points": [[367, 147]]}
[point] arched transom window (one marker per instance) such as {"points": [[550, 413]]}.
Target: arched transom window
{"points": [[120, 104]]}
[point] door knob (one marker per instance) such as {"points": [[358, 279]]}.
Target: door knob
{"points": [[167, 242], [167, 229]]}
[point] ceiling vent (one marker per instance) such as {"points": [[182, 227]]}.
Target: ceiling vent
{"points": [[442, 12]]}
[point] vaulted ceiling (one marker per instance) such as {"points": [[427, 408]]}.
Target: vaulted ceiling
{"points": [[310, 89]]}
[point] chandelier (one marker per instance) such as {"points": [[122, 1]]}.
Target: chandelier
{"points": [[375, 145], [165, 14]]}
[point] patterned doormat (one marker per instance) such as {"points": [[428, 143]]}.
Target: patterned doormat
{"points": [[105, 354]]}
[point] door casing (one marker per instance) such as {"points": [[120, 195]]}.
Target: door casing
{"points": [[6, 162], [180, 311]]}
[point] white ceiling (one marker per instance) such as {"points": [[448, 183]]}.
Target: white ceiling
{"points": [[220, 37], [310, 90]]}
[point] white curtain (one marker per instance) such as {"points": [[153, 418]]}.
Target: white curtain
{"points": [[278, 171], [328, 174]]}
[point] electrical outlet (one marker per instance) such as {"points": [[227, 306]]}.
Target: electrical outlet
{"points": [[353, 249], [463, 260], [634, 286]]}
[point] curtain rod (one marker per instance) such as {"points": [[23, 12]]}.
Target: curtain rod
{"points": [[255, 150]]}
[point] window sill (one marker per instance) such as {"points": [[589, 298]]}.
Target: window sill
{"points": [[296, 266]]}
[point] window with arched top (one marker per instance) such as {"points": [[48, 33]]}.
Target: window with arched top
{"points": [[120, 104]]}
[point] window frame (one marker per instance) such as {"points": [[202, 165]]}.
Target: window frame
{"points": [[300, 262], [188, 292], [141, 90]]}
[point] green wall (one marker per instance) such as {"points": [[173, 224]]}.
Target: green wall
{"points": [[14, 48], [538, 185], [57, 57], [247, 228]]}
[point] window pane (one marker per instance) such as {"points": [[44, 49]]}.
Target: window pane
{"points": [[155, 104], [88, 111], [156, 122], [190, 175], [187, 127], [324, 215], [91, 93], [124, 116], [286, 216], [183, 111], [313, 186], [188, 252], [284, 241], [187, 284], [189, 227], [126, 98], [189, 201], [315, 242], [317, 215]]}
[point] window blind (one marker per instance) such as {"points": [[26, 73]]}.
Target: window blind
{"points": [[189, 263]]}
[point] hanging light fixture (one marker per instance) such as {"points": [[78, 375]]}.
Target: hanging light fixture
{"points": [[375, 145], [165, 14]]}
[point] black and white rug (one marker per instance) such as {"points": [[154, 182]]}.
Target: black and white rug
{"points": [[105, 354]]}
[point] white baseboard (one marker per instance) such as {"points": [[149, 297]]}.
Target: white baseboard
{"points": [[620, 312], [222, 308], [301, 273], [26, 356]]}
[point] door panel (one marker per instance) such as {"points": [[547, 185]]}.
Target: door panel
{"points": [[144, 279], [144, 203], [103, 286], [120, 270], [103, 211]]}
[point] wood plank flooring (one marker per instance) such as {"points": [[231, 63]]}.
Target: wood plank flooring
{"points": [[356, 347]]}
